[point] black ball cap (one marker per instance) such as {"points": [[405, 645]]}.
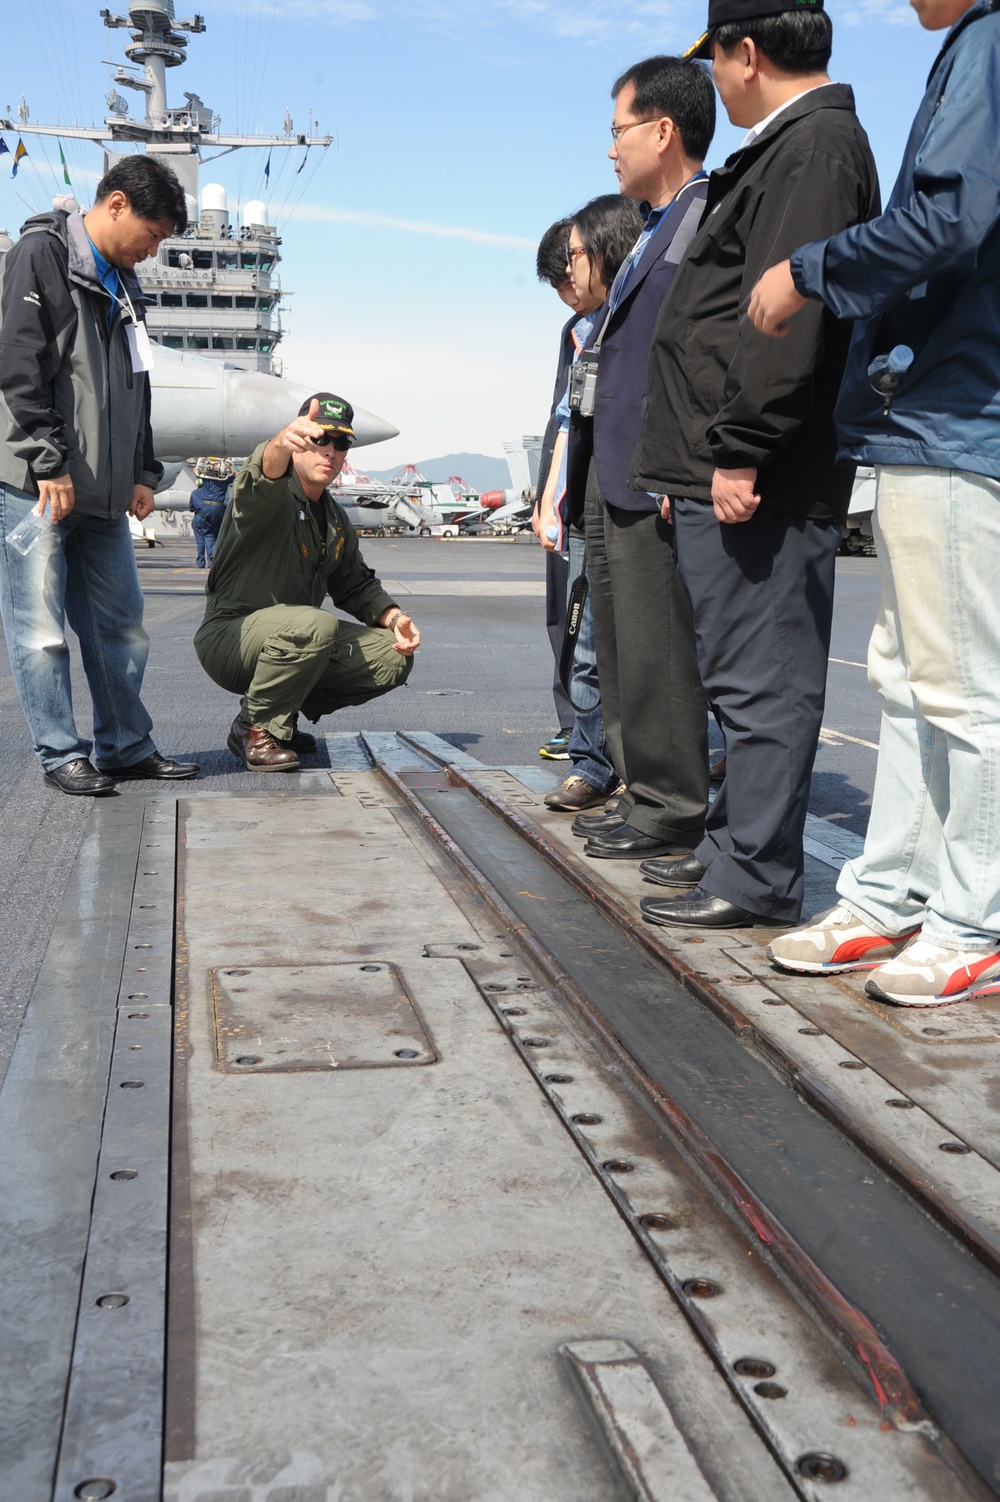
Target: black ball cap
{"points": [[335, 415], [725, 12]]}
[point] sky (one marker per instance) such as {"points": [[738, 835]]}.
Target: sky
{"points": [[462, 129]]}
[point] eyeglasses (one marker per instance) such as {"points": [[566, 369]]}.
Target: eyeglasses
{"points": [[339, 441], [618, 131], [573, 252]]}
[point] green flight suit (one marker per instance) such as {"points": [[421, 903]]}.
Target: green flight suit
{"points": [[265, 634]]}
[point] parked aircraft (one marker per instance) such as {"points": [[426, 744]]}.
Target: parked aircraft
{"points": [[203, 407]]}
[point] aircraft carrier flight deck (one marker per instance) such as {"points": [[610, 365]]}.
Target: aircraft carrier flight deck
{"points": [[358, 1145]]}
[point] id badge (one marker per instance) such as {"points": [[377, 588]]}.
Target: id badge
{"points": [[139, 346]]}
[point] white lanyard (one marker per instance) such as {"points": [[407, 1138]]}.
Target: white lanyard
{"points": [[139, 347]]}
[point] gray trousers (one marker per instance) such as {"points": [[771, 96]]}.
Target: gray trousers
{"points": [[762, 593], [289, 658], [655, 719]]}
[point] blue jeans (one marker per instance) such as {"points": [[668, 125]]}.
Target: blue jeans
{"points": [[81, 571], [586, 744], [206, 530], [932, 852]]}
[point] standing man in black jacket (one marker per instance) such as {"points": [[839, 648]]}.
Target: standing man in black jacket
{"points": [[738, 435], [654, 708]]}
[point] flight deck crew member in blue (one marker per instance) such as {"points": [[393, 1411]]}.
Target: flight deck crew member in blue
{"points": [[654, 709], [738, 434], [76, 446], [208, 502]]}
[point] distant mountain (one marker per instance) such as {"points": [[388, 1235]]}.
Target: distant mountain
{"points": [[480, 470]]}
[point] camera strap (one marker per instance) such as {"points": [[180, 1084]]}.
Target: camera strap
{"points": [[574, 615]]}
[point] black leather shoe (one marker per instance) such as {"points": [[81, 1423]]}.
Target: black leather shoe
{"points": [[696, 909], [80, 778], [628, 844], [683, 873], [302, 743], [154, 768], [586, 826]]}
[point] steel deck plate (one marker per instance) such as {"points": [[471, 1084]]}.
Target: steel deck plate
{"points": [[51, 1111], [271, 1018]]}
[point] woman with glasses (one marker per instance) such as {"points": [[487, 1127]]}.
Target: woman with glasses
{"points": [[602, 234]]}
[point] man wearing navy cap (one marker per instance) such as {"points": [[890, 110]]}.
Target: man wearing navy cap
{"points": [[285, 545], [738, 438]]}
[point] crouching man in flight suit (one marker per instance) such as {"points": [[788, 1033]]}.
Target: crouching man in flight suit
{"points": [[284, 546]]}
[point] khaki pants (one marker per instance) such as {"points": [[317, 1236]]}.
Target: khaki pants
{"points": [[292, 658]]}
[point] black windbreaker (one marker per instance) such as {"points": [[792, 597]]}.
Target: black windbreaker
{"points": [[721, 395]]}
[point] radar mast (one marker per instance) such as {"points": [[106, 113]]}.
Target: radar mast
{"points": [[213, 291]]}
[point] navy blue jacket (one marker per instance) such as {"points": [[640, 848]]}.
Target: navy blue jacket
{"points": [[613, 432], [927, 273], [209, 497]]}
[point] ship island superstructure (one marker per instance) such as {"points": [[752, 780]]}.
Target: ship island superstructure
{"points": [[215, 290]]}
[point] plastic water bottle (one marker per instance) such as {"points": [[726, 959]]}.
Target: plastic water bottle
{"points": [[552, 533], [23, 537], [886, 371]]}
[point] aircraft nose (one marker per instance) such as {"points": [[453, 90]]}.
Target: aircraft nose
{"points": [[204, 407], [259, 405], [370, 428]]}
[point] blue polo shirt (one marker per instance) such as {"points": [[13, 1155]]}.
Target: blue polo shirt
{"points": [[109, 278]]}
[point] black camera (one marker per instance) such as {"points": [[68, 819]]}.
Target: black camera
{"points": [[583, 383]]}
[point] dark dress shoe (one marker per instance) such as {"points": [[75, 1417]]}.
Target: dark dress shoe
{"points": [[696, 909], [586, 826], [302, 743], [686, 872], [154, 768], [80, 778], [628, 844], [258, 749]]}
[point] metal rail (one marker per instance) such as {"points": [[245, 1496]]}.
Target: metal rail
{"points": [[934, 1196], [905, 1296]]}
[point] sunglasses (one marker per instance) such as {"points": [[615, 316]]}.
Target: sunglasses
{"points": [[339, 441]]}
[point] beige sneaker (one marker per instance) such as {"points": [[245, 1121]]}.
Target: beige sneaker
{"points": [[835, 941], [928, 975]]}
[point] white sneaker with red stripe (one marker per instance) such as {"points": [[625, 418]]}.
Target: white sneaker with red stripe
{"points": [[928, 975], [835, 941]]}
